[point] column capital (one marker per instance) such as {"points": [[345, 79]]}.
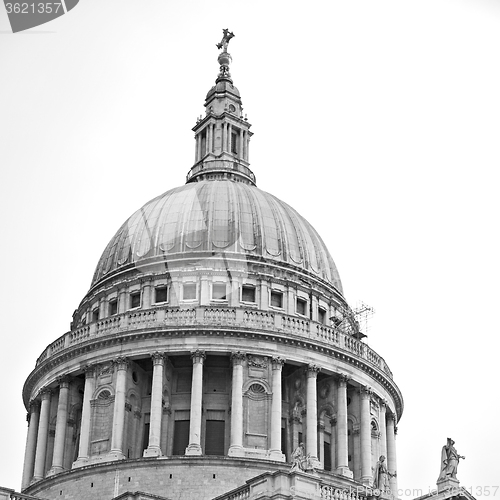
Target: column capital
{"points": [[277, 362], [343, 379], [333, 420], [312, 370], [158, 358], [121, 363], [392, 416], [33, 406], [198, 356], [366, 392], [90, 370], [383, 404], [238, 357], [45, 393], [63, 381]]}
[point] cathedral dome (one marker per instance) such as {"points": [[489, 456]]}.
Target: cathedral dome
{"points": [[217, 217]]}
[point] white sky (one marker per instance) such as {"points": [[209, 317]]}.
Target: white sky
{"points": [[379, 121]]}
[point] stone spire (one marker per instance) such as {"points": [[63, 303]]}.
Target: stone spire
{"points": [[223, 134]]}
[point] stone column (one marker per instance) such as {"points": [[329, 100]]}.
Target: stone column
{"points": [[341, 441], [122, 301], [276, 445], [33, 418], [333, 442], [236, 446], [264, 296], [146, 294], [383, 429], [365, 436], [198, 143], [194, 447], [240, 153], [391, 452], [61, 426], [116, 451], [153, 449], [43, 434], [229, 137], [224, 136], [321, 440], [312, 414], [88, 392]]}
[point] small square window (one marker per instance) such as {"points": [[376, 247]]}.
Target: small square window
{"points": [[135, 299], [113, 307], [161, 294], [301, 306], [276, 299], [219, 291], [189, 291], [95, 314], [321, 315], [247, 293]]}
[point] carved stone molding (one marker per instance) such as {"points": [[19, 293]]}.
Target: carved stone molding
{"points": [[333, 420], [121, 363], [366, 392], [321, 426], [277, 362], [343, 379], [34, 406], [238, 357], [198, 356], [90, 371], [63, 381], [128, 407], [45, 393], [312, 370], [158, 358], [257, 361]]}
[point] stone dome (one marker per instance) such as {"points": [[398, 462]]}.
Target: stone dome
{"points": [[221, 217]]}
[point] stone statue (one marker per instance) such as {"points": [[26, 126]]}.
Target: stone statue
{"points": [[225, 39], [381, 475], [449, 461], [299, 459]]}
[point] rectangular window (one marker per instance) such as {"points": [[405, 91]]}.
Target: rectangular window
{"points": [[234, 143], [161, 294], [181, 437], [189, 291], [328, 456], [145, 435], [95, 314], [321, 315], [247, 293], [135, 299], [276, 299], [301, 306], [214, 437], [219, 291], [113, 307]]}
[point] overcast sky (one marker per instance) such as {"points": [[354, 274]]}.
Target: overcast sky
{"points": [[378, 120]]}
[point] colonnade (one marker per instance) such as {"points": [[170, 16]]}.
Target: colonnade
{"points": [[208, 146], [39, 414]]}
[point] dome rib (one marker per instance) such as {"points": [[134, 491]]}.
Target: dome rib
{"points": [[217, 216]]}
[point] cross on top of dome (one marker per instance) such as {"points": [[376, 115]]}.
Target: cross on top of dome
{"points": [[224, 57]]}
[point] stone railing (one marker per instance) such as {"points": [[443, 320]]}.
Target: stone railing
{"points": [[8, 494], [218, 316], [241, 493]]}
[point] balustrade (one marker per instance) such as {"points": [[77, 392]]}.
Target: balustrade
{"points": [[217, 316]]}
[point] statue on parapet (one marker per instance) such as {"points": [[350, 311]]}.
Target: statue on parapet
{"points": [[301, 461], [382, 476], [449, 461], [225, 39]]}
